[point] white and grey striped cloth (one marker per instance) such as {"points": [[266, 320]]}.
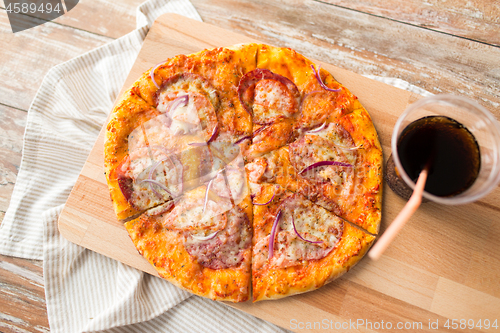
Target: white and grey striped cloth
{"points": [[85, 291]]}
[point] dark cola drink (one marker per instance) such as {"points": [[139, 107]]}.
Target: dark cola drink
{"points": [[447, 147]]}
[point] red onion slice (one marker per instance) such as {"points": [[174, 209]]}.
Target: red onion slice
{"points": [[248, 137], [318, 77], [317, 129], [214, 133], [208, 189], [305, 240], [150, 175], [177, 102], [260, 129], [152, 73], [266, 203], [197, 144], [322, 163], [273, 235], [251, 78], [202, 238], [206, 194]]}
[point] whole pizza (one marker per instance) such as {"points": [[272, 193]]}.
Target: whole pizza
{"points": [[244, 171]]}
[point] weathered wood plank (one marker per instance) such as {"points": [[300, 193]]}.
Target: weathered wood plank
{"points": [[102, 17], [476, 19], [473, 19], [22, 67], [22, 296], [12, 123], [366, 44]]}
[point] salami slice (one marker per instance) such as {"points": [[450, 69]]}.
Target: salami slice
{"points": [[227, 247], [268, 96], [305, 231], [149, 177], [190, 103], [311, 150]]}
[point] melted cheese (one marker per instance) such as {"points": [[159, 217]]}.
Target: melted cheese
{"points": [[225, 153], [195, 216], [313, 223], [312, 149], [272, 99], [198, 210], [237, 183], [342, 146], [256, 170], [185, 119], [226, 248], [151, 184]]}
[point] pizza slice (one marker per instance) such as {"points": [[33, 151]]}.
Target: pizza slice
{"points": [[201, 242], [161, 142], [273, 101], [148, 162], [288, 94], [329, 167], [220, 70], [298, 246], [130, 112]]}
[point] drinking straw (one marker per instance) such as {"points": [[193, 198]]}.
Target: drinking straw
{"points": [[403, 216]]}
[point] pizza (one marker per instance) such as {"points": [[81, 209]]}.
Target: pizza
{"points": [[244, 172]]}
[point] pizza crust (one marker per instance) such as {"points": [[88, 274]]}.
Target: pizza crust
{"points": [[164, 247], [270, 282], [158, 246], [280, 283]]}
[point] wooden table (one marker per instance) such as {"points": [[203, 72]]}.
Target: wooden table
{"points": [[448, 46]]}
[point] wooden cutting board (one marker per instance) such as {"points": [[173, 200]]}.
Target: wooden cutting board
{"points": [[445, 264]]}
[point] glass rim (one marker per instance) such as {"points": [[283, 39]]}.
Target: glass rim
{"points": [[462, 198]]}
